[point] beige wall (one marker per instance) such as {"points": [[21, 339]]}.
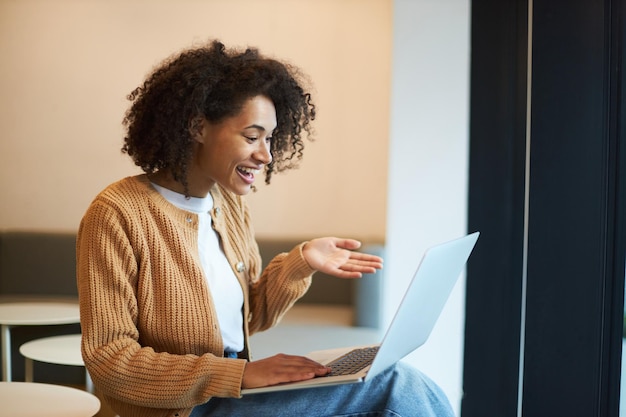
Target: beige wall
{"points": [[67, 65]]}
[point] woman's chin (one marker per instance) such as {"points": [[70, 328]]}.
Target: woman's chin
{"points": [[240, 189]]}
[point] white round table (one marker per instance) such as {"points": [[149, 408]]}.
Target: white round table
{"points": [[60, 350], [31, 313], [30, 399]]}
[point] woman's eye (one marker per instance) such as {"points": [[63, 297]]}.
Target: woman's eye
{"points": [[251, 138], [268, 139]]}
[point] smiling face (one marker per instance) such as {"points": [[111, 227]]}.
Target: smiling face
{"points": [[232, 152]]}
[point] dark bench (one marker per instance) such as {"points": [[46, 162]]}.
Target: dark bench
{"points": [[42, 264]]}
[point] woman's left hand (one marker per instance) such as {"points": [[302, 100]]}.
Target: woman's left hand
{"points": [[334, 256]]}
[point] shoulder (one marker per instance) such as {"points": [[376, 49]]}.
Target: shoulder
{"points": [[124, 199], [129, 187], [134, 192]]}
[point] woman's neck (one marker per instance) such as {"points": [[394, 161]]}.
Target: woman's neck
{"points": [[166, 180]]}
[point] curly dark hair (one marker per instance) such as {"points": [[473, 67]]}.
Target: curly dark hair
{"points": [[214, 83]]}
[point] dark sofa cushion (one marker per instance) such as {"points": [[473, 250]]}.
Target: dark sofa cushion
{"points": [[44, 264], [38, 263], [363, 295], [324, 289]]}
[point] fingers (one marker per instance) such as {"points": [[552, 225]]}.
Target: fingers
{"points": [[336, 257], [279, 369], [366, 259], [350, 244], [363, 262]]}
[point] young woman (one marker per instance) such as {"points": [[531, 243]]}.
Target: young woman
{"points": [[169, 273]]}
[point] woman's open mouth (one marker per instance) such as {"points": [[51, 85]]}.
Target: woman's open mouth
{"points": [[247, 174]]}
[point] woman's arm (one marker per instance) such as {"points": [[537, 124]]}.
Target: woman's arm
{"points": [[120, 363]]}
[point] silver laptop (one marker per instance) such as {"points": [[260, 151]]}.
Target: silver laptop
{"points": [[411, 326]]}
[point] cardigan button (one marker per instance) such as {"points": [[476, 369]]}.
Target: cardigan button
{"points": [[217, 211], [240, 266]]}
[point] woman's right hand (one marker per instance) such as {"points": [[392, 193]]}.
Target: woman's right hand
{"points": [[279, 369]]}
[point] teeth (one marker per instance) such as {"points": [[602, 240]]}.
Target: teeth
{"points": [[249, 170]]}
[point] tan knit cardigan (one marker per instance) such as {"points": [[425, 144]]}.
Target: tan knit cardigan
{"points": [[151, 340]]}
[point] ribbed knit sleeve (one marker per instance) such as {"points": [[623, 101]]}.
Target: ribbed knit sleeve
{"points": [[151, 341]]}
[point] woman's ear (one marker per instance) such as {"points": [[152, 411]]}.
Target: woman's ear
{"points": [[196, 127]]}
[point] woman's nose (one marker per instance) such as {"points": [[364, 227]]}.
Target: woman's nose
{"points": [[263, 153]]}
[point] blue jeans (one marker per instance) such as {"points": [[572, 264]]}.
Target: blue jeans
{"points": [[400, 391]]}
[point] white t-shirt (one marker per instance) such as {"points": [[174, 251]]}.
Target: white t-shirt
{"points": [[226, 290]]}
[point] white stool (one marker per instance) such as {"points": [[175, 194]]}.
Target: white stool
{"points": [[30, 399], [60, 350], [31, 313]]}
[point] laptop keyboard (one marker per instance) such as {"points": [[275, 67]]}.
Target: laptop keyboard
{"points": [[353, 361]]}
